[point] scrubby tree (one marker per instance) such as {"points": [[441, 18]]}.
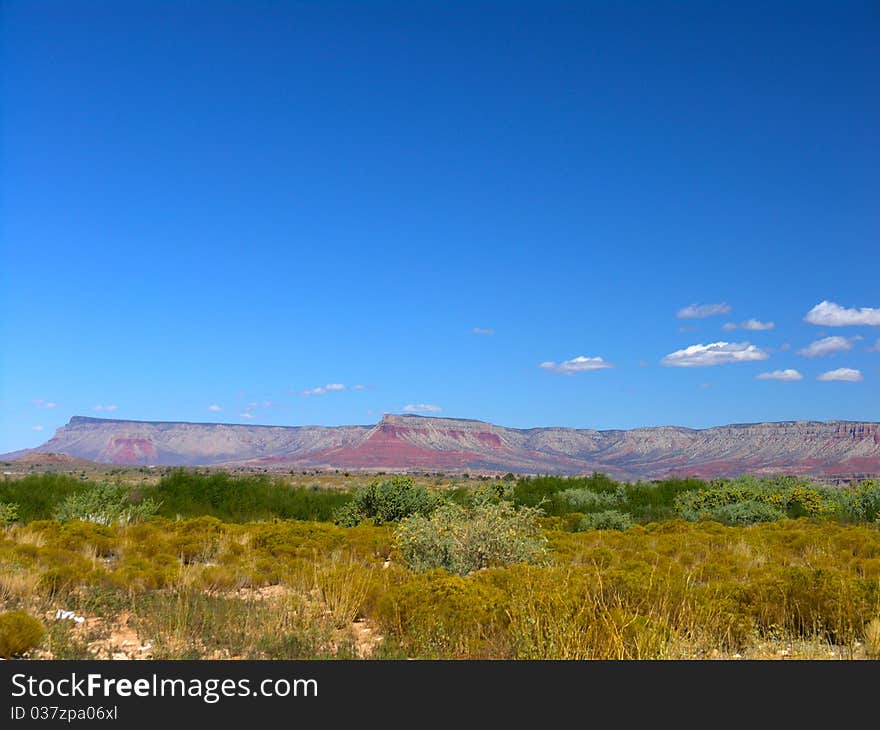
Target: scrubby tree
{"points": [[390, 500], [464, 539]]}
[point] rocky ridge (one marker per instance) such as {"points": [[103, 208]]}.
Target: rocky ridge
{"points": [[409, 442]]}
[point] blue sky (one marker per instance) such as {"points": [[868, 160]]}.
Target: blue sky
{"points": [[231, 204]]}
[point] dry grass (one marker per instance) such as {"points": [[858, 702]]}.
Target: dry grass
{"points": [[343, 584], [791, 590], [18, 585]]}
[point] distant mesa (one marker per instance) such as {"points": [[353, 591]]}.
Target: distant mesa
{"points": [[425, 443]]}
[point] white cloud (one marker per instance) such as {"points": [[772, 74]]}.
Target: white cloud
{"points": [[785, 375], [830, 314], [578, 364], [828, 346], [699, 311], [215, 408], [421, 408], [37, 428], [358, 387], [846, 375], [105, 408], [755, 325], [482, 331], [40, 403], [323, 389], [876, 347], [245, 415], [715, 353]]}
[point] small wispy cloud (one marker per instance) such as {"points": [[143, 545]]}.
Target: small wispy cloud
{"points": [[789, 375], [700, 311], [105, 408], [324, 389], [830, 314], [358, 387], [37, 428], [828, 346], [255, 404], [715, 353], [215, 408], [844, 375], [578, 364], [421, 408], [755, 325], [246, 415], [483, 331], [876, 347], [40, 403]]}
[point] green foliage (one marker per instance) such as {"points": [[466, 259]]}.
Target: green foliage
{"points": [[654, 501], [8, 513], [106, 504], [539, 491], [465, 539], [492, 493], [611, 519], [748, 512], [37, 495], [860, 503], [390, 500], [19, 632], [586, 500], [644, 501], [761, 500], [244, 499]]}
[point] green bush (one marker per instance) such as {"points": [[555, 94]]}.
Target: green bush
{"points": [[749, 512], [8, 513], [779, 496], [465, 539], [37, 495], [386, 501], [859, 504], [540, 491], [244, 499], [654, 501], [610, 519], [105, 504], [19, 632], [644, 501], [586, 500]]}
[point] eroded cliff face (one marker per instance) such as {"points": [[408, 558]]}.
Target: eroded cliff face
{"points": [[834, 448], [181, 444]]}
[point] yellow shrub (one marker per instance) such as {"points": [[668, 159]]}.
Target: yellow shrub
{"points": [[19, 632]]}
